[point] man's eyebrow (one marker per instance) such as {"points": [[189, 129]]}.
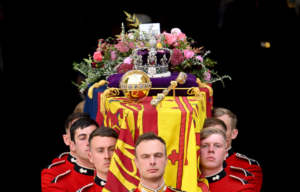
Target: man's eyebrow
{"points": [[157, 153], [83, 134], [213, 143], [107, 147]]}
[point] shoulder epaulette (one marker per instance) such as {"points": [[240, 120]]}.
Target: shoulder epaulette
{"points": [[131, 190], [240, 179], [60, 175], [65, 153], [247, 173], [173, 189], [84, 187], [56, 163], [251, 161]]}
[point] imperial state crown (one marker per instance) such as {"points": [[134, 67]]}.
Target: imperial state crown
{"points": [[153, 60]]}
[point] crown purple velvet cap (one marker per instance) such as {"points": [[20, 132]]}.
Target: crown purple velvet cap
{"points": [[163, 82], [160, 54]]}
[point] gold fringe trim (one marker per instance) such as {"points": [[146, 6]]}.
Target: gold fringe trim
{"points": [[198, 96], [107, 92], [203, 85], [96, 85]]}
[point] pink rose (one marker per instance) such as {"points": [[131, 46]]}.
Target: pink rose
{"points": [[181, 36], [128, 60], [175, 31], [188, 54], [170, 38], [97, 56], [113, 56], [200, 58]]}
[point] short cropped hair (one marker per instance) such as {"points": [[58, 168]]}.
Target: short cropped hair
{"points": [[212, 121], [81, 124], [204, 133], [147, 137], [217, 112], [74, 116], [103, 132], [79, 107]]}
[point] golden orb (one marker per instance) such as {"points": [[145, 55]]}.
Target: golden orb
{"points": [[135, 85]]}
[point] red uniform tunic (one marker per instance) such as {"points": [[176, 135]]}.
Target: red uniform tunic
{"points": [[96, 186], [223, 182], [72, 180], [251, 165], [241, 173], [58, 167], [61, 157], [163, 188]]}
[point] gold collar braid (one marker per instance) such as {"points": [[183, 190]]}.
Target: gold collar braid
{"points": [[143, 188]]}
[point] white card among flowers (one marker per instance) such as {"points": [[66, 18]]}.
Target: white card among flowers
{"points": [[145, 27]]}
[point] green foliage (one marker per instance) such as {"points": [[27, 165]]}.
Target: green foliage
{"points": [[93, 74], [135, 21], [208, 62], [218, 78]]}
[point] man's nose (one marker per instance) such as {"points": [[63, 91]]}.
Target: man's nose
{"points": [[106, 154], [211, 149], [152, 160]]}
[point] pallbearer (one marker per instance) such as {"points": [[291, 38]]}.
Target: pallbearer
{"points": [[102, 143], [64, 161], [83, 171], [151, 160], [212, 155], [233, 158], [231, 170]]}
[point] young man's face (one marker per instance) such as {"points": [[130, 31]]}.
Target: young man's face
{"points": [[102, 149], [151, 159], [212, 152], [82, 141], [229, 135]]}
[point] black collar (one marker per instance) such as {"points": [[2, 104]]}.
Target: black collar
{"points": [[216, 177], [71, 159], [99, 181], [83, 170], [224, 164], [230, 152]]}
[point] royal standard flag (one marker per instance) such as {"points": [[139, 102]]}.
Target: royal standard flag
{"points": [[178, 122]]}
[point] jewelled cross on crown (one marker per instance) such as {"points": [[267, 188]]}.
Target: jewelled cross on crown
{"points": [[137, 59]]}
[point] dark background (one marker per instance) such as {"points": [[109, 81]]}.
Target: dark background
{"points": [[41, 40]]}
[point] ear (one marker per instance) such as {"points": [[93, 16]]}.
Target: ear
{"points": [[226, 143], [90, 157], [66, 139], [136, 163], [166, 161], [234, 133], [226, 152], [72, 146]]}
